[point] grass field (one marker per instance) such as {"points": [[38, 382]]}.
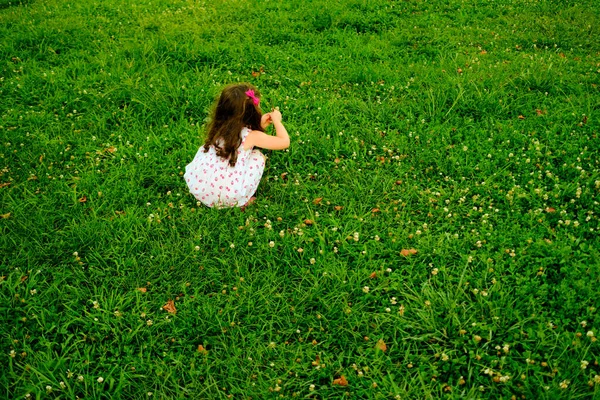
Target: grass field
{"points": [[465, 131]]}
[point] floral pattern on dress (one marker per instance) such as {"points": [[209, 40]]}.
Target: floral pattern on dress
{"points": [[215, 183]]}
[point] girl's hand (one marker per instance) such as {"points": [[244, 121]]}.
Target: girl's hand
{"points": [[275, 116], [265, 120]]}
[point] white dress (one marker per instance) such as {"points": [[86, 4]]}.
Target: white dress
{"points": [[217, 184]]}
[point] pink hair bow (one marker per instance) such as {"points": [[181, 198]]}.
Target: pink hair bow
{"points": [[255, 100]]}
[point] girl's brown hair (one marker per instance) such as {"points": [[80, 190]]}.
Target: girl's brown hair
{"points": [[234, 111]]}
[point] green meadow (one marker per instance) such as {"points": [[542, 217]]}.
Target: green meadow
{"points": [[432, 231]]}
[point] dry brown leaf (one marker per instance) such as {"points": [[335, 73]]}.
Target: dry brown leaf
{"points": [[308, 222], [170, 307], [23, 278], [341, 381], [482, 52], [111, 149], [459, 70], [375, 210], [4, 184], [373, 275], [142, 289], [4, 216], [337, 161], [550, 209], [540, 112], [521, 117], [381, 345], [201, 349], [317, 201], [338, 208], [408, 252], [398, 182], [83, 199], [255, 74], [284, 176]]}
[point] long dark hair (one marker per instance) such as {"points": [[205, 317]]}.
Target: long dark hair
{"points": [[234, 111]]}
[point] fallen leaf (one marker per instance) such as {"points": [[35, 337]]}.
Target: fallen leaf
{"points": [[4, 184], [308, 222], [373, 275], [284, 176], [255, 74], [83, 199], [4, 216], [584, 121], [381, 345], [41, 157], [550, 209], [482, 52], [408, 252], [201, 349], [337, 208], [341, 381], [317, 201], [337, 161], [398, 182], [142, 289], [375, 210], [521, 117], [170, 307], [540, 112], [317, 361], [111, 149], [459, 70], [23, 278], [119, 212]]}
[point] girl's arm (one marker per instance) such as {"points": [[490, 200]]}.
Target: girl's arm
{"points": [[280, 141]]}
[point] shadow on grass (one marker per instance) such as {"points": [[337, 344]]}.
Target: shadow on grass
{"points": [[12, 3]]}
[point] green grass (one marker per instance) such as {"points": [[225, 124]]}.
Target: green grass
{"points": [[465, 130]]}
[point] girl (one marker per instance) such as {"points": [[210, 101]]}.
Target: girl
{"points": [[226, 171]]}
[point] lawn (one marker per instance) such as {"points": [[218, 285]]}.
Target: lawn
{"points": [[432, 231]]}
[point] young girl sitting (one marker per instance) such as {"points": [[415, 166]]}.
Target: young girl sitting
{"points": [[226, 171]]}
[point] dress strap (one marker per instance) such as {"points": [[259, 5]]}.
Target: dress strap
{"points": [[244, 134]]}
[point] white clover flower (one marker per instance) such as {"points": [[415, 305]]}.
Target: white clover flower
{"points": [[584, 364], [271, 244], [100, 379], [366, 289], [590, 334]]}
